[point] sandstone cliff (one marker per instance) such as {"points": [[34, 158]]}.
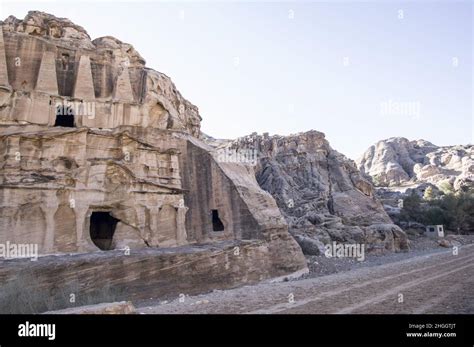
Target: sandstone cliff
{"points": [[42, 48], [320, 192], [399, 162], [101, 152]]}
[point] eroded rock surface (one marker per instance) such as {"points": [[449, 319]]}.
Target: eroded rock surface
{"points": [[320, 192], [101, 152], [400, 162], [399, 167], [106, 76], [122, 307]]}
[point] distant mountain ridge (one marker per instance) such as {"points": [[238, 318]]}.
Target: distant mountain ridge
{"points": [[398, 161]]}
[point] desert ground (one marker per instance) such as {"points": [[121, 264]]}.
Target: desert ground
{"points": [[426, 280]]}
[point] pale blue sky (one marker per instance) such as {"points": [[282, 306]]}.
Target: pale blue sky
{"points": [[278, 67]]}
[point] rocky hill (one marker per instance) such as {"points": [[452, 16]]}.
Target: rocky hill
{"points": [[320, 192], [398, 162]]}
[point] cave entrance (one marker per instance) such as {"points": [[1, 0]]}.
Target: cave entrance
{"points": [[102, 229], [64, 116], [216, 221]]}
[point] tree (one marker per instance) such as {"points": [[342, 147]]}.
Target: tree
{"points": [[434, 216], [453, 210], [429, 194], [446, 187], [412, 210]]}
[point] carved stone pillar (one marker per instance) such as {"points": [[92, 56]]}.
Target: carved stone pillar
{"points": [[181, 235], [49, 208], [83, 240], [152, 235]]}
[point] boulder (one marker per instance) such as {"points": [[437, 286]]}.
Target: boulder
{"points": [[386, 237], [309, 245]]}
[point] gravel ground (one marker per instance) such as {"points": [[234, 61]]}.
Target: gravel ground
{"points": [[419, 245], [430, 278]]}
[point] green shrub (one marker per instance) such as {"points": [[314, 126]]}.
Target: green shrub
{"points": [[454, 210]]}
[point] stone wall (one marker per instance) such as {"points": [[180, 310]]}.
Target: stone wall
{"points": [[145, 274]]}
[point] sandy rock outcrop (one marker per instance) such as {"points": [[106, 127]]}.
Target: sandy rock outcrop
{"points": [[122, 307], [320, 192], [399, 162], [381, 237]]}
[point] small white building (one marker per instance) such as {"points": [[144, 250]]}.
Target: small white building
{"points": [[435, 230]]}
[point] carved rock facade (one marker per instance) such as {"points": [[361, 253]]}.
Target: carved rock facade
{"points": [[100, 152]]}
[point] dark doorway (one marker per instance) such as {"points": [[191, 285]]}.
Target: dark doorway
{"points": [[216, 221], [64, 116], [102, 229]]}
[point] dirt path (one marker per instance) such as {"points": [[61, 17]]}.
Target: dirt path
{"points": [[433, 283]]}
